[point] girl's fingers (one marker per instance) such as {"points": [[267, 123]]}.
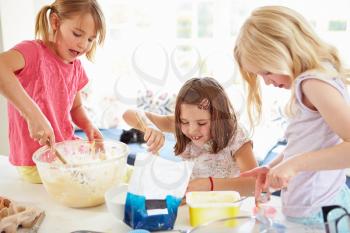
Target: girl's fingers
{"points": [[37, 135], [154, 148], [248, 173], [152, 138], [267, 182], [97, 134], [90, 136], [159, 142], [150, 141], [255, 172], [147, 135], [280, 183], [155, 141], [276, 182], [285, 183], [159, 147], [258, 190], [43, 141], [45, 138], [52, 139]]}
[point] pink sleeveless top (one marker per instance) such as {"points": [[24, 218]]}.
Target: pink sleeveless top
{"points": [[53, 85]]}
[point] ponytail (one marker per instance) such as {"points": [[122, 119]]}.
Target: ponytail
{"points": [[42, 24]]}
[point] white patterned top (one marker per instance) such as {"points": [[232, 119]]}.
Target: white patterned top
{"points": [[219, 165]]}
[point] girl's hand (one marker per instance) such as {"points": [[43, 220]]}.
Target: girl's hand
{"points": [[261, 183], [155, 139], [280, 175], [199, 184], [95, 137], [93, 133], [40, 128]]}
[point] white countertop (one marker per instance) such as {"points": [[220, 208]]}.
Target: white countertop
{"points": [[61, 219], [58, 219]]}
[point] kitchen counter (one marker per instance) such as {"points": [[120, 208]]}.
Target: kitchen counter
{"points": [[58, 219], [61, 219]]}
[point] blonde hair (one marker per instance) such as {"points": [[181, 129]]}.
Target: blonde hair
{"points": [[279, 40], [206, 93], [66, 9]]}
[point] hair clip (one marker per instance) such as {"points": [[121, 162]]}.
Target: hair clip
{"points": [[204, 104]]}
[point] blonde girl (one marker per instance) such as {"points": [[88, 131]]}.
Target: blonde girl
{"points": [[276, 45], [42, 80]]}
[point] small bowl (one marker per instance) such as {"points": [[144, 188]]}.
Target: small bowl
{"points": [[92, 168], [205, 207], [115, 199]]}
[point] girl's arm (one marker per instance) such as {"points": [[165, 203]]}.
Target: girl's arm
{"points": [[336, 112], [81, 119], [153, 135], [276, 161], [244, 185], [163, 123], [246, 161], [260, 174], [39, 127]]}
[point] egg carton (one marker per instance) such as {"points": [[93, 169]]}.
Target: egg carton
{"points": [[18, 218]]}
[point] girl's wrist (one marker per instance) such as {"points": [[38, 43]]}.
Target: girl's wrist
{"points": [[29, 113], [145, 122], [295, 163], [152, 126], [87, 126]]}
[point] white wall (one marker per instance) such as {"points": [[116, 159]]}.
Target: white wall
{"points": [[16, 24], [4, 146], [17, 20]]}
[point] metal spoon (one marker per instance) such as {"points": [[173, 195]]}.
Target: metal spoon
{"points": [[241, 199], [86, 231]]}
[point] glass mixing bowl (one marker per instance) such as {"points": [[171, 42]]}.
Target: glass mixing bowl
{"points": [[250, 224], [91, 169]]}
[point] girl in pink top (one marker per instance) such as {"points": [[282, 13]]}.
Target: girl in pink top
{"points": [[207, 132], [278, 46], [42, 79]]}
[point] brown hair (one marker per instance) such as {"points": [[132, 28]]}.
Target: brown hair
{"points": [[65, 9], [223, 119]]}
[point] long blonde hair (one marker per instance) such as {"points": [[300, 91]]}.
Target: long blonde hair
{"points": [[66, 9], [279, 40]]}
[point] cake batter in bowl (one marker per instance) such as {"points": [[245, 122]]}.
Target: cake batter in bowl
{"points": [[91, 169]]}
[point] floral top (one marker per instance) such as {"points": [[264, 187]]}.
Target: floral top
{"points": [[219, 165]]}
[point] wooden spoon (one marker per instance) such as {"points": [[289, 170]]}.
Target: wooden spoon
{"points": [[57, 153], [142, 124], [59, 156]]}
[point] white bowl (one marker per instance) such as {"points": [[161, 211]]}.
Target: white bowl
{"points": [[115, 199]]}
